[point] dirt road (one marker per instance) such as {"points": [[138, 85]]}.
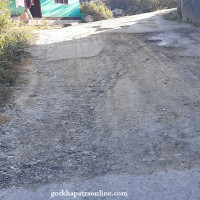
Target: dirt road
{"points": [[112, 106]]}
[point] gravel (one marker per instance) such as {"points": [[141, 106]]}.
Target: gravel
{"points": [[106, 108]]}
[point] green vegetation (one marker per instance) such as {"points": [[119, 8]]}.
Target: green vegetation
{"points": [[189, 21], [14, 40], [131, 7], [145, 5], [141, 6], [98, 10], [197, 24], [173, 16]]}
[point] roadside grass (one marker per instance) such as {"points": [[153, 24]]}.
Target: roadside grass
{"points": [[14, 41], [173, 16], [197, 24], [44, 25], [49, 27]]}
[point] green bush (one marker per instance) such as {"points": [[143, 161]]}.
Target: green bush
{"points": [[13, 41], [98, 10], [5, 20]]}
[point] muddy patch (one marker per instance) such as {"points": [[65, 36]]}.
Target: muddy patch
{"points": [[4, 120], [178, 39], [167, 39]]}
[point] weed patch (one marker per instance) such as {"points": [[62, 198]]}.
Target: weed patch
{"points": [[14, 40], [173, 16]]}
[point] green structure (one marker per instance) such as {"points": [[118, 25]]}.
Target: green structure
{"points": [[14, 10], [66, 9]]}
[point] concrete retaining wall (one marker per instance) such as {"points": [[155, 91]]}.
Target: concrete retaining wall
{"points": [[189, 9]]}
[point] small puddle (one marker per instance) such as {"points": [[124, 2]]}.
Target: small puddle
{"points": [[167, 39]]}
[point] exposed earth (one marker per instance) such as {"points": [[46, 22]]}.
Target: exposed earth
{"points": [[111, 105]]}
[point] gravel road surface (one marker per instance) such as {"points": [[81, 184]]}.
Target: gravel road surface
{"points": [[112, 106]]}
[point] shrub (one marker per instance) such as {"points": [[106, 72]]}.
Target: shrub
{"points": [[4, 15], [13, 41], [160, 4], [140, 6], [173, 16], [98, 10]]}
